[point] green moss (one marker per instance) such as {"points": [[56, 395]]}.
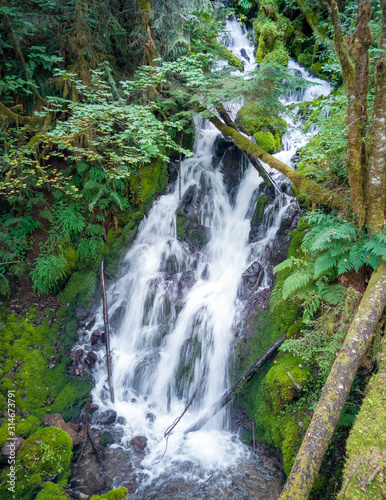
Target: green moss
{"points": [[305, 59], [266, 141], [277, 56], [80, 288], [198, 236], [259, 210], [181, 224], [119, 494], [279, 384], [251, 119], [291, 443], [148, 181], [272, 32], [366, 443], [227, 55], [44, 454], [50, 491], [71, 398]]}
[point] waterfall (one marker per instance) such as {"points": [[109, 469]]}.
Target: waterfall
{"points": [[176, 305]]}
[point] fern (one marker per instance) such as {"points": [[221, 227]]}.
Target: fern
{"points": [[295, 282], [48, 271], [70, 221]]}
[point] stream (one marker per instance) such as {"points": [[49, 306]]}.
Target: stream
{"points": [[177, 305]]}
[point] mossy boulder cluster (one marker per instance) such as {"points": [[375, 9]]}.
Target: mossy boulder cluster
{"points": [[267, 130]]}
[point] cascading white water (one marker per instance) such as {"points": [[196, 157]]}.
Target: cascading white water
{"points": [[178, 306]]}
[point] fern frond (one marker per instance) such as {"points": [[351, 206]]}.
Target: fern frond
{"points": [[295, 282], [287, 264], [324, 263]]}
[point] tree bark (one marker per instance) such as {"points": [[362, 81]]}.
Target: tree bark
{"points": [[318, 194], [107, 332], [354, 107], [337, 388], [376, 186], [227, 396]]}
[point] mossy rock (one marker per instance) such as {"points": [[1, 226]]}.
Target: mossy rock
{"points": [[106, 438], [259, 210], [50, 491], [227, 55], [198, 236], [44, 454], [181, 224], [305, 59], [272, 33], [119, 494], [266, 141], [149, 180], [251, 118], [281, 382]]}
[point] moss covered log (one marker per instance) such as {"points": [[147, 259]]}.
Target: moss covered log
{"points": [[365, 469], [337, 388], [318, 194]]}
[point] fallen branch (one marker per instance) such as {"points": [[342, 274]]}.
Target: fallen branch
{"points": [[171, 427], [107, 331], [227, 396], [316, 192]]}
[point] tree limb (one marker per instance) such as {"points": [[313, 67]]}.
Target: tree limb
{"points": [[316, 192]]}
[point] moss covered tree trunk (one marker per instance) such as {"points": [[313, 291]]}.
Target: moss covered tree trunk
{"points": [[337, 388], [355, 75], [150, 52], [376, 186]]}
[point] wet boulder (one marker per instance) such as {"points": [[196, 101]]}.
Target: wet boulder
{"points": [[96, 336], [233, 165], [90, 359], [221, 144], [289, 220], [92, 407], [106, 417], [56, 420], [139, 442]]}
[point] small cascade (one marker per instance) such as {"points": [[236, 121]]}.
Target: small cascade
{"points": [[177, 303]]}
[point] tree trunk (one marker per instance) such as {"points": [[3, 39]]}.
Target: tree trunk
{"points": [[354, 86], [318, 194], [227, 396], [376, 186], [337, 388], [150, 51]]}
